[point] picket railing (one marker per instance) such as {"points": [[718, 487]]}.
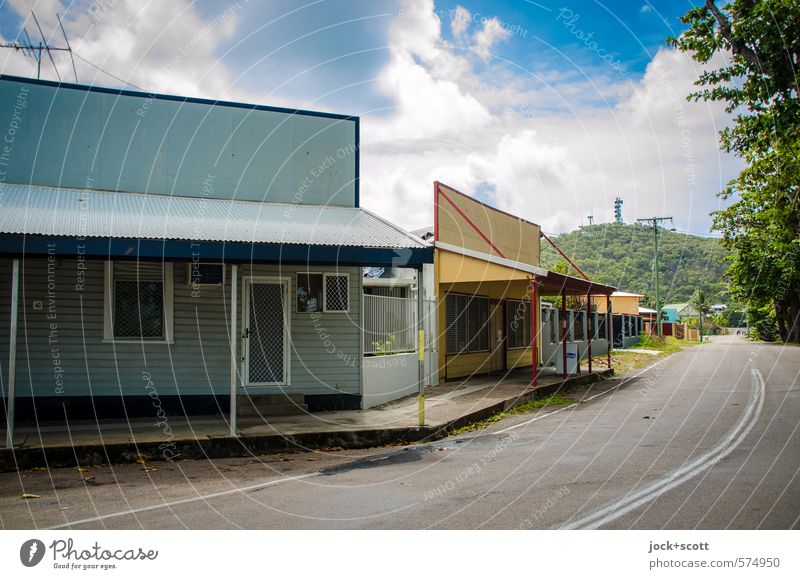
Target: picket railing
{"points": [[389, 325]]}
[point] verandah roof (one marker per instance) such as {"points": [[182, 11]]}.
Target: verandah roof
{"points": [[142, 225], [554, 283]]}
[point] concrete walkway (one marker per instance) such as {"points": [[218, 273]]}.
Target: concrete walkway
{"points": [[447, 406]]}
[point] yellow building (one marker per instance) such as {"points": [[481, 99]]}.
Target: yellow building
{"points": [[487, 274], [621, 303]]}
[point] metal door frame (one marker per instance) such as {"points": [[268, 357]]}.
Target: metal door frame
{"points": [[247, 283]]}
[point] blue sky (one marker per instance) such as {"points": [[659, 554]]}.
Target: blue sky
{"points": [[275, 40], [357, 39], [549, 109]]}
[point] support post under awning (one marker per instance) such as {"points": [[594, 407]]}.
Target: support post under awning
{"points": [[12, 355], [609, 327], [589, 328], [420, 350], [234, 341], [565, 326], [534, 334]]}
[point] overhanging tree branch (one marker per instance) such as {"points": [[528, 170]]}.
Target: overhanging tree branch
{"points": [[738, 47]]}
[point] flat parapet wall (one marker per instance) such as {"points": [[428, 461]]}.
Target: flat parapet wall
{"points": [[464, 222], [97, 138]]}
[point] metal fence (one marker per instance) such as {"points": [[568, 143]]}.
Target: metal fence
{"points": [[389, 325]]}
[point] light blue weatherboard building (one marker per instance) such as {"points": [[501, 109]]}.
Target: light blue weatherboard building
{"points": [[133, 224]]}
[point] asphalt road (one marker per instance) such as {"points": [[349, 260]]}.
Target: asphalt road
{"points": [[706, 438]]}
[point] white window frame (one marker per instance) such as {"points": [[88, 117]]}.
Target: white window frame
{"points": [[108, 307], [325, 276]]}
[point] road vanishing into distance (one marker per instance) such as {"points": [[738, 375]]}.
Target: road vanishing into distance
{"points": [[705, 438]]}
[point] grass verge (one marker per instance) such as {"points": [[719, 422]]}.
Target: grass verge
{"points": [[526, 408], [627, 360]]}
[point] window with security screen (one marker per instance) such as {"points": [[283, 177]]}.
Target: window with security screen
{"points": [[455, 306], [518, 318], [467, 319], [138, 302], [138, 309], [478, 324], [577, 326], [337, 292]]}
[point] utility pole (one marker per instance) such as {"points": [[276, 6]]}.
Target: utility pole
{"points": [[701, 304], [654, 221], [700, 324]]}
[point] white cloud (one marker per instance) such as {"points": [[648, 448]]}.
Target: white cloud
{"points": [[159, 46], [646, 8], [491, 33], [459, 23], [547, 147], [421, 77], [649, 146]]}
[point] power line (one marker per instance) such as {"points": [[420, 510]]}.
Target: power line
{"points": [[706, 235], [89, 62]]}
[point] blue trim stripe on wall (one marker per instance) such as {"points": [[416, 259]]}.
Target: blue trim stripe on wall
{"points": [[181, 173]]}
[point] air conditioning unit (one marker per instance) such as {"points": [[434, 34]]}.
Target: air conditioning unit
{"points": [[205, 274]]}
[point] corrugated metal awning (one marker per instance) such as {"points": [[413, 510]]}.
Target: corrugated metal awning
{"points": [[554, 283], [41, 210]]}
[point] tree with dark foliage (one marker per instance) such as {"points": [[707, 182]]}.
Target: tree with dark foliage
{"points": [[759, 83]]}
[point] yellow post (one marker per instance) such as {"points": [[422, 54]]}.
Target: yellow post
{"points": [[421, 355]]}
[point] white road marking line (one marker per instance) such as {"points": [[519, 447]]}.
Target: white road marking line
{"points": [[687, 472], [254, 487], [583, 401]]}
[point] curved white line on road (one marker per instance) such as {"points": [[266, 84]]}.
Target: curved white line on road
{"points": [[677, 477], [203, 498]]}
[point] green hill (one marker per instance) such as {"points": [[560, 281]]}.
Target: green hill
{"points": [[622, 256]]}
